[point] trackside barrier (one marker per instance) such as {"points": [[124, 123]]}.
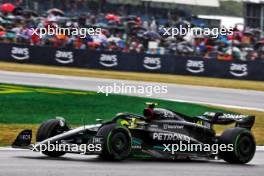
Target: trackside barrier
{"points": [[180, 65]]}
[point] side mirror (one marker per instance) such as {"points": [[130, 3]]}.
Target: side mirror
{"points": [[62, 121], [99, 121]]}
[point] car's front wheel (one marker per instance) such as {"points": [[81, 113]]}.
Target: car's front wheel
{"points": [[49, 129], [117, 142]]}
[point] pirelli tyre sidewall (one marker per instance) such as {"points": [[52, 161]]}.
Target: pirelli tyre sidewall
{"points": [[117, 142], [49, 129], [243, 142]]}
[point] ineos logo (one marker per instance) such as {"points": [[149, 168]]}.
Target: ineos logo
{"points": [[20, 53], [195, 66], [64, 57], [238, 70], [108, 60], [167, 126], [152, 63]]}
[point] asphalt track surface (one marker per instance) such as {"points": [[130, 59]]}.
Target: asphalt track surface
{"points": [[25, 163], [236, 98]]}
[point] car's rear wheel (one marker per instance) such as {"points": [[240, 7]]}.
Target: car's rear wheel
{"points": [[49, 129], [244, 145], [117, 142]]}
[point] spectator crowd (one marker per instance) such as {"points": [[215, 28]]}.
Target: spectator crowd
{"points": [[127, 33]]}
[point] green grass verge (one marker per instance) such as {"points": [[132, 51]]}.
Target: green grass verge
{"points": [[32, 105], [26, 107]]}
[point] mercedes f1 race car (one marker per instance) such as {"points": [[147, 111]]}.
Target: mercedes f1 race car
{"points": [[158, 133]]}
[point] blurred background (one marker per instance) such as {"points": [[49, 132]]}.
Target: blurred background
{"points": [[135, 26]]}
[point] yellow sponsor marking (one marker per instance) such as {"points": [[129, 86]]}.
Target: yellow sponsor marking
{"points": [[12, 91], [20, 89], [50, 91], [199, 122], [43, 90], [14, 87]]}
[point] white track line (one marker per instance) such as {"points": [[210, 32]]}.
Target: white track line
{"points": [[216, 104], [10, 149]]}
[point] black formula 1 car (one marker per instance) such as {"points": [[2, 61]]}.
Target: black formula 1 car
{"points": [[158, 133]]}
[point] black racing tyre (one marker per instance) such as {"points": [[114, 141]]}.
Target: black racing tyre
{"points": [[243, 143], [48, 129], [117, 142]]}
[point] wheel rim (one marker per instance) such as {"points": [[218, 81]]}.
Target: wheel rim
{"points": [[245, 146], [119, 143]]}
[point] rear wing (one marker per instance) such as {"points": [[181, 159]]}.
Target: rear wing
{"points": [[243, 121]]}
